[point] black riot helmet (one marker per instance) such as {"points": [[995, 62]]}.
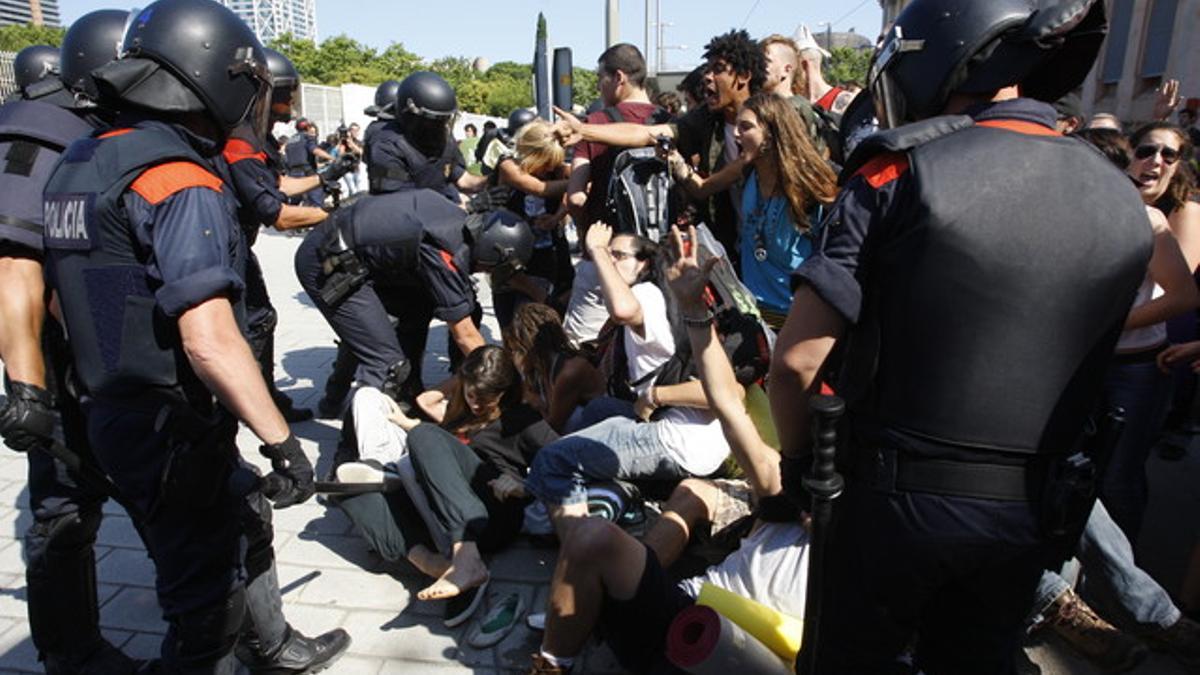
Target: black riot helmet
{"points": [[501, 243], [385, 98], [34, 64], [517, 119], [939, 47], [184, 56], [285, 80], [93, 40], [426, 94]]}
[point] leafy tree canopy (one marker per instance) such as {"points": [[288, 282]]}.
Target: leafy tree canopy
{"points": [[497, 91], [14, 38]]}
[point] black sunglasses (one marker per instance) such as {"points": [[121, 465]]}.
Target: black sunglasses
{"points": [[1170, 155]]}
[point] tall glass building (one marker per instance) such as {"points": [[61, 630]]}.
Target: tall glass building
{"points": [[272, 18], [39, 12]]}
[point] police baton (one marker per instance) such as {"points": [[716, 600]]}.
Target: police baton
{"points": [[91, 477], [825, 484]]}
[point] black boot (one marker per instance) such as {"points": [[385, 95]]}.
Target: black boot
{"points": [[299, 655], [105, 660]]}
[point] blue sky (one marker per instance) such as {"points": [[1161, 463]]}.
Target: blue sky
{"points": [[503, 30]]}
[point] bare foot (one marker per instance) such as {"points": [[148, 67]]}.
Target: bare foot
{"points": [[461, 576], [429, 563]]}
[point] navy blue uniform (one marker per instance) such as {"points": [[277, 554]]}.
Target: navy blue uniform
{"points": [[129, 249], [248, 169], [415, 276], [300, 159], [961, 566], [394, 164], [60, 561]]}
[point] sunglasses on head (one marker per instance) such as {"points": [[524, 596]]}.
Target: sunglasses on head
{"points": [[1170, 155]]}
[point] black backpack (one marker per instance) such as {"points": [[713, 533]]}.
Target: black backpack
{"points": [[639, 197]]}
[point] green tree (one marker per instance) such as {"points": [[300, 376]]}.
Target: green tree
{"points": [[14, 38], [398, 62], [848, 65]]}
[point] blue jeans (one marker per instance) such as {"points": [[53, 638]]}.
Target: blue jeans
{"points": [[618, 447], [1145, 393], [1114, 584]]}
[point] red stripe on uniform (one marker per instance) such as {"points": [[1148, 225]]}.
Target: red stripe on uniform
{"points": [[159, 182], [883, 169], [448, 259]]}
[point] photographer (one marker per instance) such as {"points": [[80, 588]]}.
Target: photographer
{"points": [[350, 143]]}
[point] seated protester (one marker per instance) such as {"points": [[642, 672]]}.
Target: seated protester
{"points": [[683, 440], [559, 380], [470, 466], [606, 578], [531, 163], [781, 202]]}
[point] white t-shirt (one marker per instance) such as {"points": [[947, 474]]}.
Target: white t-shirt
{"points": [[692, 437], [770, 566]]}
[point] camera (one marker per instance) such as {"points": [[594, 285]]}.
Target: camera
{"points": [[665, 144], [343, 132]]}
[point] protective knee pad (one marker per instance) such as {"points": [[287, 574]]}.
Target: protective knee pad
{"points": [[60, 574]]}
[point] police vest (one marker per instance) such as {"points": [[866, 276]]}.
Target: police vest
{"points": [[32, 136], [298, 158], [396, 165], [989, 317], [123, 346], [385, 231]]}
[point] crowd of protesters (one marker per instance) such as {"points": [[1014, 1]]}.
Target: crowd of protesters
{"points": [[640, 411]]}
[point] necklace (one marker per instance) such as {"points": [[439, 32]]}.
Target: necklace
{"points": [[763, 211]]}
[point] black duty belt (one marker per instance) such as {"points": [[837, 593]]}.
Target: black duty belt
{"points": [[892, 470]]}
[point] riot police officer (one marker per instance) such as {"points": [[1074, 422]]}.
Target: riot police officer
{"points": [[407, 254], [416, 149], [34, 64], [145, 255], [55, 106], [301, 156], [249, 167], [976, 336], [381, 110]]}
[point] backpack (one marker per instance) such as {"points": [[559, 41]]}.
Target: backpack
{"points": [[639, 197]]}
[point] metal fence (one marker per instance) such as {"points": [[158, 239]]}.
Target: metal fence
{"points": [[322, 106], [8, 80]]}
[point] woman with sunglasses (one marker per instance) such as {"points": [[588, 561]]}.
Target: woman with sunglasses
{"points": [[1134, 381]]}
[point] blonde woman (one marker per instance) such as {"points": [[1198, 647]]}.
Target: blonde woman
{"points": [[533, 166]]}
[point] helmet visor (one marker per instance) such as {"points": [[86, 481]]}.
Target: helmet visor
{"points": [[247, 65], [889, 103]]}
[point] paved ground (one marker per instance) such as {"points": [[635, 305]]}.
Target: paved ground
{"points": [[330, 579]]}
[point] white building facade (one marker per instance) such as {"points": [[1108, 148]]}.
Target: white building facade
{"points": [[272, 18]]}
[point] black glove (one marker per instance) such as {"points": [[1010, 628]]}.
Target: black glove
{"points": [[339, 167], [27, 419], [488, 200], [292, 472]]}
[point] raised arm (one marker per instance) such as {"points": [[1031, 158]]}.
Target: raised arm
{"points": [[571, 130], [687, 279]]}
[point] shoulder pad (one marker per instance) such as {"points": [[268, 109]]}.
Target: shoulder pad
{"points": [[237, 149], [42, 122], [903, 139], [159, 182]]}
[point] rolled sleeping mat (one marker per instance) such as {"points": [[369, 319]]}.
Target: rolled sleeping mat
{"points": [[777, 631], [701, 641]]}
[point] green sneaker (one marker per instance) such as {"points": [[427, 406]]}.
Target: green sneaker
{"points": [[498, 622]]}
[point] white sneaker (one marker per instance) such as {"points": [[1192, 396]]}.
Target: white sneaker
{"points": [[364, 471]]}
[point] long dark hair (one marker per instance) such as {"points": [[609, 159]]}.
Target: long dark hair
{"points": [[646, 251], [534, 338], [490, 371], [1183, 183]]}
